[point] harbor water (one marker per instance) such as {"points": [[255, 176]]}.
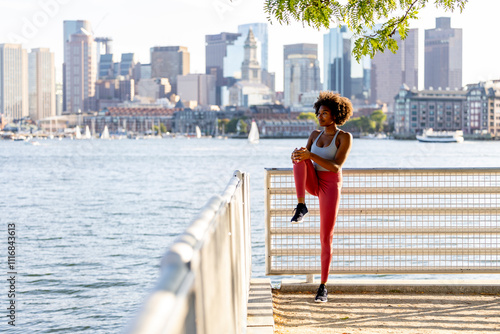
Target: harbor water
{"points": [[94, 217]]}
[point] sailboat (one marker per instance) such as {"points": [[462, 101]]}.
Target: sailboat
{"points": [[253, 135], [105, 133], [78, 133], [198, 132], [87, 133]]}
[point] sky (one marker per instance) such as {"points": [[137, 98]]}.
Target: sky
{"points": [[136, 26]]}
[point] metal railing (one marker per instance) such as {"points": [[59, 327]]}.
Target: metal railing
{"points": [[205, 275], [391, 221]]}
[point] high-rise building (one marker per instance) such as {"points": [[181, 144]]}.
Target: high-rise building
{"points": [[390, 70], [337, 61], [216, 49], [127, 64], [80, 72], [250, 67], [301, 72], [197, 87], [14, 103], [70, 28], [169, 62], [260, 32], [443, 56], [42, 84]]}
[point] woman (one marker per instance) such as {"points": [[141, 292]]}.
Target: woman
{"points": [[317, 168]]}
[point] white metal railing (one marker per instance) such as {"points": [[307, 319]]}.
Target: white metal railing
{"points": [[391, 221], [205, 275]]}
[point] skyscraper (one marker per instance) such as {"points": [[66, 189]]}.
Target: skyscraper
{"points": [[390, 71], [337, 61], [169, 62], [70, 28], [13, 82], [260, 33], [443, 56], [216, 49], [250, 67], [80, 72], [42, 84], [301, 71]]}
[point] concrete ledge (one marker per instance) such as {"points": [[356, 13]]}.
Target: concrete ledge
{"points": [[398, 286], [260, 307]]}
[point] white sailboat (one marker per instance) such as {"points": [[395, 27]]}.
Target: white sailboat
{"points": [[87, 133], [105, 133], [78, 133], [253, 135], [198, 132]]}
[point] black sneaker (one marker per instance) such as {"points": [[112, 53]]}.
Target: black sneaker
{"points": [[300, 212], [322, 295]]}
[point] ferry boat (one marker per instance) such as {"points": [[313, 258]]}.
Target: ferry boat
{"points": [[431, 136]]}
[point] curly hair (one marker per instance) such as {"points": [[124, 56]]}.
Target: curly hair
{"points": [[340, 107]]}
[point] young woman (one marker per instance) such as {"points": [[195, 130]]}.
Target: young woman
{"points": [[317, 168]]}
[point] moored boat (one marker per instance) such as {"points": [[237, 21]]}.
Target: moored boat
{"points": [[431, 136]]}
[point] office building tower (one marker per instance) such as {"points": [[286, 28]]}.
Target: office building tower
{"points": [[106, 67], [301, 72], [443, 56], [337, 61], [216, 50], [70, 28], [42, 84], [391, 70], [13, 82], [127, 64], [169, 62], [80, 72], [197, 87]]}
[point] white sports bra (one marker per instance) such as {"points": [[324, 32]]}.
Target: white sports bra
{"points": [[327, 152]]}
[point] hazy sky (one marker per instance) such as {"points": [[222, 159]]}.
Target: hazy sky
{"points": [[135, 26]]}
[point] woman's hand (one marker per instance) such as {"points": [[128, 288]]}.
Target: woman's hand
{"points": [[300, 154]]}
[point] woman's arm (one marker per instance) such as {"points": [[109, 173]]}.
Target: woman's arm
{"points": [[310, 141]]}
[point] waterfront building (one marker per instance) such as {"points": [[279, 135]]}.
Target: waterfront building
{"points": [[69, 28], [391, 70], [301, 71], [441, 110], [186, 120], [283, 128], [14, 101], [443, 56], [482, 113], [197, 87], [169, 62], [41, 84], [129, 119], [216, 50]]}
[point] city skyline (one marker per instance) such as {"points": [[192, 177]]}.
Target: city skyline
{"points": [[39, 24]]}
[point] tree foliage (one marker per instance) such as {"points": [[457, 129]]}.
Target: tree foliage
{"points": [[360, 16], [308, 115]]}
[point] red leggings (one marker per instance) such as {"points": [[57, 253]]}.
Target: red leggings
{"points": [[327, 186]]}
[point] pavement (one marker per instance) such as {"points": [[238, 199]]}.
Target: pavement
{"points": [[400, 307]]}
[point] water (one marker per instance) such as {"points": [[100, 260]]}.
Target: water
{"points": [[94, 217]]}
